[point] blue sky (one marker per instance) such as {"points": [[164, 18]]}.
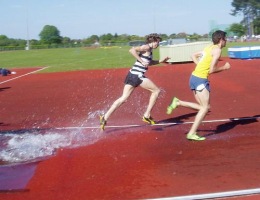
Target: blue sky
{"points": [[79, 19]]}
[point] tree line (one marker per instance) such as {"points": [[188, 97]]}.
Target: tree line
{"points": [[50, 36]]}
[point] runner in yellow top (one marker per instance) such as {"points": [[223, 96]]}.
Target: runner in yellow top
{"points": [[203, 66], [206, 64]]}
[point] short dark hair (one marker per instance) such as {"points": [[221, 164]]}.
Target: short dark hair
{"points": [[153, 37], [218, 35]]}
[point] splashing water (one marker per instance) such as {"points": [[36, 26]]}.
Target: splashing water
{"points": [[37, 144]]}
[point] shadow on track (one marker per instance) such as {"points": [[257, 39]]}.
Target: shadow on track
{"points": [[232, 124], [178, 120], [4, 88]]}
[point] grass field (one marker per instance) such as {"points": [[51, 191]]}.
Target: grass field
{"points": [[70, 59]]}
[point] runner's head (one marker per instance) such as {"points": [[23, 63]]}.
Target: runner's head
{"points": [[153, 39], [219, 37]]}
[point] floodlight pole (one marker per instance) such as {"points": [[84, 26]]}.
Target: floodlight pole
{"points": [[27, 30], [154, 21]]}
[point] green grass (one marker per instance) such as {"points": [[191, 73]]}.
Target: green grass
{"points": [[69, 59], [72, 59]]}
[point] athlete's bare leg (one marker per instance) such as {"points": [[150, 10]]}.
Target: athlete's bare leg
{"points": [[155, 91], [127, 91], [204, 100]]}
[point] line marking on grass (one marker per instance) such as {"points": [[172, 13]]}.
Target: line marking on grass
{"points": [[214, 195], [23, 75], [161, 124]]}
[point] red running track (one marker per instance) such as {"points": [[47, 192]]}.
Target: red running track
{"points": [[134, 162]]}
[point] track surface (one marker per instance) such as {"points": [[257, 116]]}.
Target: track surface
{"points": [[141, 162]]}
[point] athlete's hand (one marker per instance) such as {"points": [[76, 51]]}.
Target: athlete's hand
{"points": [[165, 59], [227, 66]]}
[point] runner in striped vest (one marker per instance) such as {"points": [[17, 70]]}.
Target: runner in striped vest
{"points": [[136, 77]]}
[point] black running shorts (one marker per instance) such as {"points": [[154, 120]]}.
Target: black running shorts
{"points": [[133, 79]]}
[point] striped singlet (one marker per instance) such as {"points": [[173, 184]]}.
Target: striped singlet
{"points": [[138, 69]]}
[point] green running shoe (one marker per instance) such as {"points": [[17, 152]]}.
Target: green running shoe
{"points": [[195, 137], [172, 106]]}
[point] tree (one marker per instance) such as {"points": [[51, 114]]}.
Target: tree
{"points": [[50, 35], [195, 37], [4, 40], [164, 36], [124, 38], [237, 29], [91, 40], [205, 35], [34, 42], [173, 35], [181, 35], [246, 7], [66, 40], [3, 37], [256, 24], [251, 11]]}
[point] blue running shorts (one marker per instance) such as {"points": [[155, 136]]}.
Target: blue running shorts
{"points": [[199, 84]]}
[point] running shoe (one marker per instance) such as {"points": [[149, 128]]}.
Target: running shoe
{"points": [[148, 120], [172, 106], [103, 122], [195, 137]]}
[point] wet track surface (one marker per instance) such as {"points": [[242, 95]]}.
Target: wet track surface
{"points": [[50, 131]]}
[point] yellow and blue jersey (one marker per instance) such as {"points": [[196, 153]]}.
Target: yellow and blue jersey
{"points": [[203, 66]]}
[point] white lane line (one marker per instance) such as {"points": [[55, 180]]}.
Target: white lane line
{"points": [[23, 75], [160, 124], [214, 195]]}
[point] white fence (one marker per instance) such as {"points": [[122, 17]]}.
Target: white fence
{"points": [[181, 52]]}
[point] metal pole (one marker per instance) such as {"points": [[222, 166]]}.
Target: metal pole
{"points": [[27, 30]]}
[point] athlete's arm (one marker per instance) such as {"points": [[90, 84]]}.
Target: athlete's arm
{"points": [[140, 49], [156, 62], [216, 52], [196, 56]]}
